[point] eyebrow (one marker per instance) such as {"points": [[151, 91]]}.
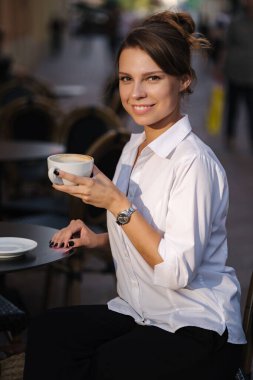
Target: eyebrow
{"points": [[146, 73]]}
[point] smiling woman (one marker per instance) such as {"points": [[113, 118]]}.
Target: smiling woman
{"points": [[177, 313], [148, 94]]}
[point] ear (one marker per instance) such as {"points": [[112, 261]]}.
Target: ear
{"points": [[185, 82]]}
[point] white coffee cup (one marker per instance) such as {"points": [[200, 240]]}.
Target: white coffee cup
{"points": [[78, 164]]}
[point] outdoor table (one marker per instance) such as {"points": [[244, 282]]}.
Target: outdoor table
{"points": [[14, 150], [41, 255]]}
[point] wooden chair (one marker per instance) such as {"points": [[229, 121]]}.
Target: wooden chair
{"points": [[30, 118], [27, 118], [21, 86], [244, 372], [83, 125], [106, 152], [13, 321]]}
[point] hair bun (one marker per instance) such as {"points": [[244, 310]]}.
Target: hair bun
{"points": [[185, 21], [181, 21]]}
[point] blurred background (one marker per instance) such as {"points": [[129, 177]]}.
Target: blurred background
{"points": [[58, 56]]}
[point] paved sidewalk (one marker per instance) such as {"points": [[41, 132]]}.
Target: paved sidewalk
{"points": [[88, 63]]}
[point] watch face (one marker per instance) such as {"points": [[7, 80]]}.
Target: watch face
{"points": [[123, 219], [124, 216]]}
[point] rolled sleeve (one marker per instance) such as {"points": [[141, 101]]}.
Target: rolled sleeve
{"points": [[177, 268]]}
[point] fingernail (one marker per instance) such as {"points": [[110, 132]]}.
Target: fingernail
{"points": [[56, 244], [56, 172], [51, 243], [71, 243], [62, 245]]}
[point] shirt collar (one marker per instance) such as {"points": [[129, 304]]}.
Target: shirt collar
{"points": [[167, 141]]}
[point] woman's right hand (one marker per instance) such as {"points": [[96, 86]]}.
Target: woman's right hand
{"points": [[76, 234]]}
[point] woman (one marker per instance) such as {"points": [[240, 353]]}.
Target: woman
{"points": [[177, 314]]}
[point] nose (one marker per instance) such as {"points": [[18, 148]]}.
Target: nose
{"points": [[138, 91]]}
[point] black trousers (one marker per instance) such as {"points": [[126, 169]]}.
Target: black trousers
{"points": [[235, 94], [92, 342]]}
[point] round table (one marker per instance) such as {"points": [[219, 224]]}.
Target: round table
{"points": [[41, 255]]}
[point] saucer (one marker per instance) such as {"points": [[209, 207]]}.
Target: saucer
{"points": [[12, 247]]}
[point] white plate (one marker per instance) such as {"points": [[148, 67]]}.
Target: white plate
{"points": [[11, 247]]}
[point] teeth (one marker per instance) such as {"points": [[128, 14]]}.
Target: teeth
{"points": [[141, 108]]}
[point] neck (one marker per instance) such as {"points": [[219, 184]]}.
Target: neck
{"points": [[153, 132]]}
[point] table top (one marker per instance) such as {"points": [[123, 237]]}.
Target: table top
{"points": [[68, 90], [41, 255], [11, 150]]}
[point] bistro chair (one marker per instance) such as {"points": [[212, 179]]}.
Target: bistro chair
{"points": [[244, 372], [13, 321], [106, 152], [246, 362], [18, 87], [83, 125], [30, 118]]}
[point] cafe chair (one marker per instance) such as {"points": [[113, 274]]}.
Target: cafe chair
{"points": [[106, 152], [27, 118], [245, 370], [13, 321], [30, 118], [83, 125], [26, 85]]}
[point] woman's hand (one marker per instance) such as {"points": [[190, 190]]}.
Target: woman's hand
{"points": [[76, 234], [98, 191]]}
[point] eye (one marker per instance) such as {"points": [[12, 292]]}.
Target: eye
{"points": [[153, 78], [124, 78]]}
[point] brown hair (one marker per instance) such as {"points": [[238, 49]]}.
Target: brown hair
{"points": [[168, 38]]}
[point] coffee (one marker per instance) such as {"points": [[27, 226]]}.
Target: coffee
{"points": [[78, 164], [68, 157]]}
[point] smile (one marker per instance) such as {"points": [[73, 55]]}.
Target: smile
{"points": [[140, 109]]}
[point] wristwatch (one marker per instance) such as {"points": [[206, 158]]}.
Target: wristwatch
{"points": [[124, 216]]}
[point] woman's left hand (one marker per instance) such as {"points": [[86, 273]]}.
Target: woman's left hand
{"points": [[98, 191]]}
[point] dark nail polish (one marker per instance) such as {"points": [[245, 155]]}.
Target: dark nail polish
{"points": [[51, 243], [55, 245], [56, 172], [62, 245], [71, 243]]}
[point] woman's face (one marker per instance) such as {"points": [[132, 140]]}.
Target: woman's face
{"points": [[148, 94]]}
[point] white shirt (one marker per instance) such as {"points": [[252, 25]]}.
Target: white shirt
{"points": [[180, 188]]}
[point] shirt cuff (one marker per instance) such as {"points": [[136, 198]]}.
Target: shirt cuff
{"points": [[169, 274]]}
